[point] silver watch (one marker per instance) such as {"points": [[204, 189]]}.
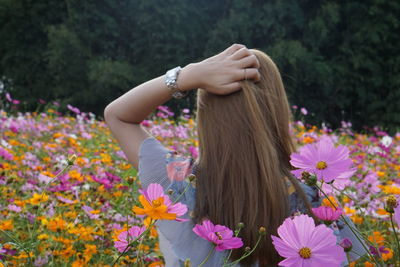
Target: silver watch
{"points": [[171, 78]]}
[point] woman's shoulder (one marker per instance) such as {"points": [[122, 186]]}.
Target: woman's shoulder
{"points": [[295, 200]]}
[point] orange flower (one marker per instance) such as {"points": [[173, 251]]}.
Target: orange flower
{"points": [[157, 205], [328, 202], [57, 224], [377, 238], [387, 256], [368, 264], [156, 264], [6, 225], [156, 210]]}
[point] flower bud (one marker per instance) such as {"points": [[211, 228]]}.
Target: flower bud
{"points": [[262, 231], [170, 192], [346, 244], [131, 180], [240, 225], [391, 203], [309, 178], [71, 159], [191, 177], [187, 263], [247, 249]]}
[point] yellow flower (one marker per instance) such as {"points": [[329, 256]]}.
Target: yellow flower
{"points": [[106, 159], [37, 198], [380, 173], [43, 236], [156, 210]]}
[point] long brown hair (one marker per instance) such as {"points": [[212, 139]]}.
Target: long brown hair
{"points": [[245, 147]]}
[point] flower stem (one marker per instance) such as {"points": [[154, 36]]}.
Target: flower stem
{"points": [[208, 256], [245, 255], [395, 235], [348, 258], [350, 227], [42, 194], [131, 243], [180, 196], [18, 243]]}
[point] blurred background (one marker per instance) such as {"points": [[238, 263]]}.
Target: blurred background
{"points": [[339, 59]]}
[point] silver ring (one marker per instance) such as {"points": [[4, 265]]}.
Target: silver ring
{"points": [[245, 76]]}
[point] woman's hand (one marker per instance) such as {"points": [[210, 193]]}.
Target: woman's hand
{"points": [[222, 73]]}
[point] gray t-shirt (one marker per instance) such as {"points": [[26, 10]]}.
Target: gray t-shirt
{"points": [[177, 240]]}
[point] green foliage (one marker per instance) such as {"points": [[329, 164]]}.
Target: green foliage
{"points": [[340, 60]]}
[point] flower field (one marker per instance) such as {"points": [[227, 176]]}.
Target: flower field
{"points": [[67, 191]]}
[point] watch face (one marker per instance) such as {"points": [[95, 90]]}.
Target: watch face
{"points": [[170, 75]]}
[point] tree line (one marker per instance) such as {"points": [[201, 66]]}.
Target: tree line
{"points": [[339, 59]]}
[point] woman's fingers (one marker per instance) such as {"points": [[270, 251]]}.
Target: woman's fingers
{"points": [[241, 53], [249, 61], [230, 88], [233, 48], [249, 74]]}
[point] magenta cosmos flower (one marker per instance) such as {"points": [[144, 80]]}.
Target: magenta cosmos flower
{"points": [[327, 214], [303, 244], [220, 235], [323, 160], [126, 237]]}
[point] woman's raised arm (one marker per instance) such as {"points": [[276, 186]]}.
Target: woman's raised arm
{"points": [[219, 74]]}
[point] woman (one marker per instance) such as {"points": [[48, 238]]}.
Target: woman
{"points": [[243, 171]]}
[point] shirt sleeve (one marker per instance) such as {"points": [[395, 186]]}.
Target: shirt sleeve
{"points": [[152, 163]]}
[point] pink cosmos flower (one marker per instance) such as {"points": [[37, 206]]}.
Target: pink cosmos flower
{"points": [[124, 238], [88, 210], [397, 213], [14, 208], [6, 154], [340, 182], [73, 109], [323, 160], [327, 214], [304, 244], [8, 97], [220, 235]]}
